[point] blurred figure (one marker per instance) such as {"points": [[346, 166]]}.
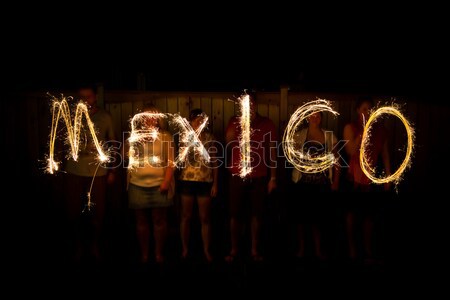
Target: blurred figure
{"points": [[150, 185], [79, 178], [248, 194], [198, 181], [363, 191], [312, 190]]}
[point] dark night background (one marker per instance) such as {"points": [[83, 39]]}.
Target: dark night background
{"points": [[388, 70], [389, 62]]}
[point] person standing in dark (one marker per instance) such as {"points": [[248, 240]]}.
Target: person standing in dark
{"points": [[80, 176], [150, 184], [311, 192], [198, 182], [248, 194], [363, 193]]}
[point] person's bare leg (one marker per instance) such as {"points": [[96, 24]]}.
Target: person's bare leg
{"points": [[236, 199], [301, 240], [159, 216], [143, 233], [256, 231], [317, 242], [204, 206], [187, 203], [368, 237], [235, 231], [350, 227]]}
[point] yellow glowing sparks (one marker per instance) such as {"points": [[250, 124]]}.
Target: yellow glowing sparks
{"points": [[304, 162], [142, 131], [61, 109], [155, 159], [363, 160], [244, 139], [190, 138], [90, 204]]}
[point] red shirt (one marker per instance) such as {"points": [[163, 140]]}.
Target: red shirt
{"points": [[263, 132]]}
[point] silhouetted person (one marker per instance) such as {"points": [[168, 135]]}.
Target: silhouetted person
{"points": [[312, 191], [79, 178], [198, 181], [149, 186], [363, 191], [248, 194]]}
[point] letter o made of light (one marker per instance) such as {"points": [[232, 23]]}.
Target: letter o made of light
{"points": [[363, 160]]}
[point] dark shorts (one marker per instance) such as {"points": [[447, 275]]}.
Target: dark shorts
{"points": [[194, 188], [310, 203], [247, 196], [146, 197]]}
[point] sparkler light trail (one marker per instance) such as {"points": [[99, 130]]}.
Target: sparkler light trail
{"points": [[190, 138], [61, 109], [89, 204], [304, 162], [365, 142], [244, 139], [143, 131]]}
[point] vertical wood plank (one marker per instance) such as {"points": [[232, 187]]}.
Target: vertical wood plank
{"points": [[100, 95], [116, 114], [333, 121], [127, 114], [206, 106], [183, 106], [137, 107], [161, 104], [274, 115], [172, 105], [263, 110], [228, 111], [194, 103], [284, 105], [326, 120], [217, 113], [290, 111]]}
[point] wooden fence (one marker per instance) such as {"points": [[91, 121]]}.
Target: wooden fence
{"points": [[221, 107]]}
